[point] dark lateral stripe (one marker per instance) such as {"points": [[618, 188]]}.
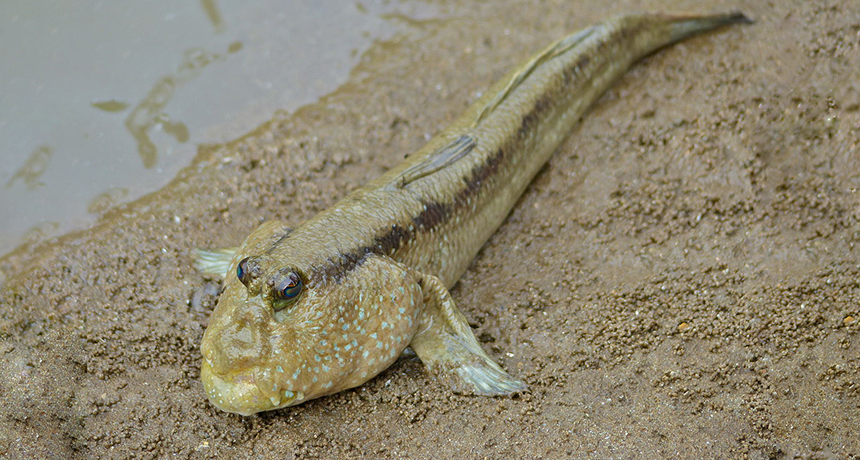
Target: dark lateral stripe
{"points": [[336, 269], [436, 214], [480, 174], [433, 215], [385, 244], [390, 241]]}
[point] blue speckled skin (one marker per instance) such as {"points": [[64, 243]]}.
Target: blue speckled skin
{"points": [[376, 266]]}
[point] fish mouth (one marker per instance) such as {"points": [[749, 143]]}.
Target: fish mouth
{"points": [[246, 392]]}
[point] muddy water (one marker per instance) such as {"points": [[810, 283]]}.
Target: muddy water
{"points": [[681, 281], [102, 102]]}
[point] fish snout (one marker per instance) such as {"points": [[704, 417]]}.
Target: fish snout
{"points": [[246, 392], [238, 346], [235, 338]]}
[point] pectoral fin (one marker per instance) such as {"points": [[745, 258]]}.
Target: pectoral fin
{"points": [[448, 348], [264, 238], [215, 262]]}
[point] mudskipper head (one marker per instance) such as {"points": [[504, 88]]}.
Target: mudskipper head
{"points": [[252, 326], [282, 333]]}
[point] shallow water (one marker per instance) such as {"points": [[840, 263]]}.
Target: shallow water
{"points": [[103, 102]]}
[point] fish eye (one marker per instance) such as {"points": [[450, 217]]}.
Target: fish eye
{"points": [[286, 289], [248, 270], [244, 270]]}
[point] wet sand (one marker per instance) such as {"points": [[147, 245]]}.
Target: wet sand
{"points": [[679, 282]]}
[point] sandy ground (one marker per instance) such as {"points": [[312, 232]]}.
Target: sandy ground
{"points": [[679, 282]]}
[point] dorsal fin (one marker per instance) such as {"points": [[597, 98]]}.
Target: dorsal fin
{"points": [[557, 48], [437, 160], [464, 144]]}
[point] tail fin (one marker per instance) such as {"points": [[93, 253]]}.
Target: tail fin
{"points": [[683, 26], [642, 34]]}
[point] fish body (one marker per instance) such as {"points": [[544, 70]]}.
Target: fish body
{"points": [[327, 306]]}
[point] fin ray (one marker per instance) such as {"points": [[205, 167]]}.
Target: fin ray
{"points": [[559, 47], [447, 346], [438, 160], [214, 262]]}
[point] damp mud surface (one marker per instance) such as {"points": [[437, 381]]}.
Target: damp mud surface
{"points": [[680, 281]]}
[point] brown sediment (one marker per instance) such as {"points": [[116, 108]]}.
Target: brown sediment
{"points": [[713, 188]]}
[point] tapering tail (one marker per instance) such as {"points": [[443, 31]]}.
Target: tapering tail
{"points": [[683, 26]]}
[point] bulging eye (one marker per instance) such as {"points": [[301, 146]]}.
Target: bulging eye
{"points": [[287, 289], [243, 271]]}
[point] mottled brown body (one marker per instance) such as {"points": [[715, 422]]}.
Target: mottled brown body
{"points": [[376, 266]]}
